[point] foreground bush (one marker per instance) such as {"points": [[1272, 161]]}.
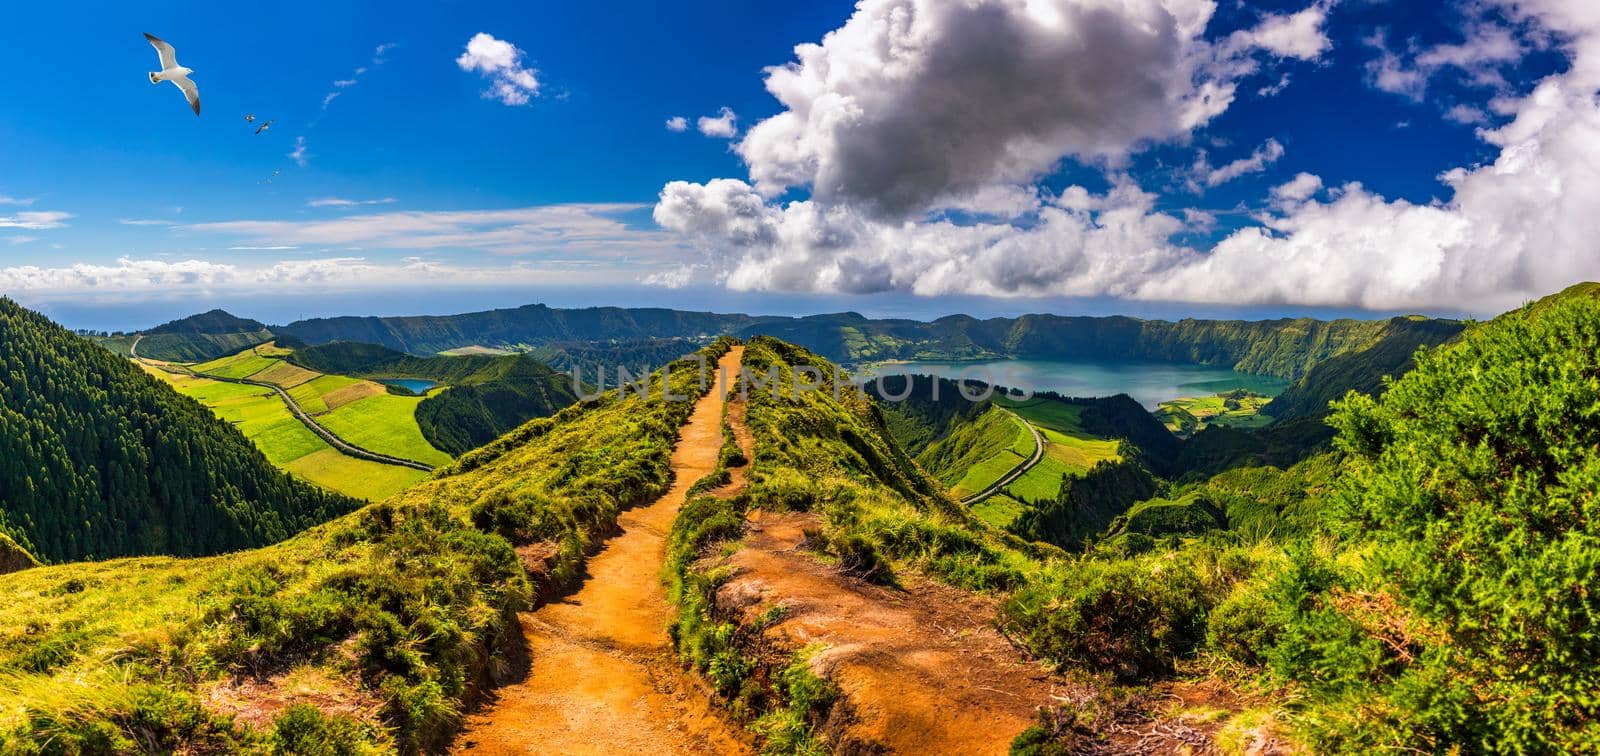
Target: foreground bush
{"points": [[1132, 617], [1475, 483]]}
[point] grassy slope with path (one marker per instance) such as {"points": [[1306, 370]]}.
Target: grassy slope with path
{"points": [[603, 678], [288, 443], [382, 625]]}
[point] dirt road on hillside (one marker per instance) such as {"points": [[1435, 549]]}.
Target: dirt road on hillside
{"points": [[604, 679]]}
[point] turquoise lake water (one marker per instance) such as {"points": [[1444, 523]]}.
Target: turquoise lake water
{"points": [[414, 385], [1149, 383]]}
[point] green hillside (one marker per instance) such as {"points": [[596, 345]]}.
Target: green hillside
{"points": [[202, 337], [489, 394], [922, 410], [98, 459], [405, 609], [1363, 369]]}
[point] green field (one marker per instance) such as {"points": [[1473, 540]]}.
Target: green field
{"points": [[333, 470], [263, 418], [998, 510], [1235, 409], [384, 423], [241, 365], [312, 395], [361, 412], [1069, 450]]}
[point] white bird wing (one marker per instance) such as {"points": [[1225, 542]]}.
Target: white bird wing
{"points": [[169, 56], [190, 91]]}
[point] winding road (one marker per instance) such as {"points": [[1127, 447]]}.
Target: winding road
{"points": [[1016, 472], [344, 447]]}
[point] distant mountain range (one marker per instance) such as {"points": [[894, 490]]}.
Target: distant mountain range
{"points": [[1286, 348]]}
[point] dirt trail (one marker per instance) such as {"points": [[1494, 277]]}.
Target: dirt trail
{"points": [[921, 667], [603, 677]]}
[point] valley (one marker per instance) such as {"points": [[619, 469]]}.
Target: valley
{"points": [[843, 378], [899, 568], [356, 438]]}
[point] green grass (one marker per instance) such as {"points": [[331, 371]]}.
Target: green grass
{"points": [[264, 419], [1046, 413], [998, 510], [386, 424], [1078, 451], [975, 457], [310, 395], [1233, 409], [1041, 482], [241, 365], [335, 471], [1069, 450]]}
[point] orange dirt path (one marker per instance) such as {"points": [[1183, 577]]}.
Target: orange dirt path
{"points": [[604, 679], [922, 668]]}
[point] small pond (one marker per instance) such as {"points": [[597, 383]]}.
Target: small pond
{"points": [[414, 385]]}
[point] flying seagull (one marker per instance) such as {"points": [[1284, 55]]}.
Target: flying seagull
{"points": [[249, 117], [264, 126], [171, 71]]}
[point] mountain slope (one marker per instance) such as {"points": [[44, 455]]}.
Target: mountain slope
{"points": [[202, 337], [1361, 370], [369, 634], [98, 459]]}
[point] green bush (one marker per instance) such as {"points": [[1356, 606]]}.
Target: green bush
{"points": [[303, 730], [1244, 626], [1475, 485], [1132, 617]]}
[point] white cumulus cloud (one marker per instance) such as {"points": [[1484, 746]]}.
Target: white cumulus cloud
{"points": [[912, 107], [724, 125], [677, 123], [510, 81]]}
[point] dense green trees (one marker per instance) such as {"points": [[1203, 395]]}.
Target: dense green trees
{"points": [[98, 459]]}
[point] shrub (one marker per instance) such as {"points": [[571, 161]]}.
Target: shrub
{"points": [[1244, 626], [1476, 482], [304, 730], [1132, 617]]}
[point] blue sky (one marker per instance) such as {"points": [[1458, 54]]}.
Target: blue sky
{"points": [[419, 188]]}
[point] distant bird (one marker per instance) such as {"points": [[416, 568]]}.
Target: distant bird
{"points": [[264, 126], [274, 175], [249, 117], [171, 71]]}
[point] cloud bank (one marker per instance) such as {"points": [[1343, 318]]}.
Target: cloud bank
{"points": [[913, 108]]}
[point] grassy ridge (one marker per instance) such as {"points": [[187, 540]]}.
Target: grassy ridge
{"points": [[407, 604], [976, 455]]}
